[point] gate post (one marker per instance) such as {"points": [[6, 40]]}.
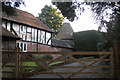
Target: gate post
{"points": [[112, 63], [17, 63], [117, 60]]}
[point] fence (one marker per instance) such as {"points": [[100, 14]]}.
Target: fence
{"points": [[15, 64]]}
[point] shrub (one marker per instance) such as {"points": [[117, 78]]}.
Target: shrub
{"points": [[87, 40]]}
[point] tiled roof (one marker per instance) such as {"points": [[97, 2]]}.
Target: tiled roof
{"points": [[27, 18], [61, 43], [7, 33], [65, 32]]}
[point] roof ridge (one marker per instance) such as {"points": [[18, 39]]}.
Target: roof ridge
{"points": [[25, 11]]}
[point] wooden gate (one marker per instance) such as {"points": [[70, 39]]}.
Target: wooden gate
{"points": [[73, 64]]}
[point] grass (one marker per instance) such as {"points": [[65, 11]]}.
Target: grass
{"points": [[28, 63], [54, 63]]}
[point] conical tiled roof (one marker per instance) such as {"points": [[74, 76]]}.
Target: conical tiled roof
{"points": [[65, 32]]}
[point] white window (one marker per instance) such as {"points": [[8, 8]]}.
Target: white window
{"points": [[43, 37], [29, 34], [25, 47], [39, 36], [35, 35], [22, 46], [8, 26], [21, 31], [48, 36], [24, 32]]}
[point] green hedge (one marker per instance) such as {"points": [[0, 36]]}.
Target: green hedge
{"points": [[87, 40]]}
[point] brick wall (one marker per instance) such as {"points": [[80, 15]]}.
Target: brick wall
{"points": [[44, 48], [32, 47]]}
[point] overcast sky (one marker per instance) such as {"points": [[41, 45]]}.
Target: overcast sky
{"points": [[85, 21]]}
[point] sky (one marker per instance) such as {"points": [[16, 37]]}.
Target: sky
{"points": [[85, 21]]}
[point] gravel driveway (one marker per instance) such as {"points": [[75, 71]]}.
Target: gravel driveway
{"points": [[91, 75]]}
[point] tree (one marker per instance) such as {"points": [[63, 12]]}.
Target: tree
{"points": [[51, 17], [101, 9], [112, 25], [68, 9], [9, 7]]}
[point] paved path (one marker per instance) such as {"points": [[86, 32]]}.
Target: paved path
{"points": [[92, 75]]}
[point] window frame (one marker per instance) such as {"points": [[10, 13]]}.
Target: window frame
{"points": [[22, 47], [28, 34]]}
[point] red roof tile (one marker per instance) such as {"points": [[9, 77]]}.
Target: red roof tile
{"points": [[7, 33], [27, 18]]}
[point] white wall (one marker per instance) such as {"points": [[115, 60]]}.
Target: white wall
{"points": [[30, 35], [16, 28], [8, 26], [3, 23]]}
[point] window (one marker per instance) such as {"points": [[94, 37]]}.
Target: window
{"points": [[22, 46], [48, 36], [8, 26], [17, 45], [21, 31], [25, 47], [24, 32], [33, 34], [43, 37], [29, 34], [39, 36], [15, 27]]}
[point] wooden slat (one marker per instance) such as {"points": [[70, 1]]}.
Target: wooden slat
{"points": [[48, 60], [6, 60], [7, 71], [94, 59], [28, 66], [8, 66], [99, 66], [63, 72], [8, 52], [77, 53], [67, 60], [45, 67]]}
